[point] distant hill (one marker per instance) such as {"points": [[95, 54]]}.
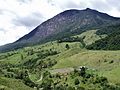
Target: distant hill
{"points": [[65, 24], [111, 42]]}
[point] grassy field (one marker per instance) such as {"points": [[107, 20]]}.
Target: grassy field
{"points": [[103, 63], [12, 84], [90, 36], [98, 59]]}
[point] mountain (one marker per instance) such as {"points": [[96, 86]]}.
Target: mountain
{"points": [[63, 60], [67, 23]]}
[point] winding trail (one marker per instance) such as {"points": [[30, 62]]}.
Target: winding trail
{"points": [[40, 79]]}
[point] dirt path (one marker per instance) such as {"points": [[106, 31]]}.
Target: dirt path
{"points": [[40, 78], [62, 70]]}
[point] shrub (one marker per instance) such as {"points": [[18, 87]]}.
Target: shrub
{"points": [[80, 88], [70, 88], [111, 61], [83, 71], [77, 81], [67, 46]]}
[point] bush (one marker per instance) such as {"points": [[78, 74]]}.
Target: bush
{"points": [[83, 71], [70, 88], [47, 84], [77, 81], [67, 46], [101, 80], [111, 61], [80, 88], [60, 87]]}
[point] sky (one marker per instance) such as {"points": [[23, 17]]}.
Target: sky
{"points": [[19, 17]]}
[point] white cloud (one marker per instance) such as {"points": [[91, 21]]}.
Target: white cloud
{"points": [[18, 17], [11, 34]]}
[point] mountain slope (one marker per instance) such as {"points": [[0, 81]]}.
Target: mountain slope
{"points": [[67, 23], [32, 58], [12, 84], [111, 42]]}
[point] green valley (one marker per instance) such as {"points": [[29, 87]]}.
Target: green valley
{"points": [[75, 50], [33, 62]]}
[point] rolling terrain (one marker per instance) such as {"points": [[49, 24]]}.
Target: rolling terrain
{"points": [[75, 50], [59, 59]]}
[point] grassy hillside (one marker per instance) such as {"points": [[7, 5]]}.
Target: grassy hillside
{"points": [[12, 84], [91, 36], [102, 61], [110, 42], [30, 66]]}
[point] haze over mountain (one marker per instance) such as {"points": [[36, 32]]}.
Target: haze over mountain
{"points": [[67, 23]]}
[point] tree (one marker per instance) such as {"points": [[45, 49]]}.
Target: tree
{"points": [[60, 87], [30, 52], [80, 88], [22, 57], [77, 81], [67, 46], [47, 84], [83, 71], [46, 74], [70, 88]]}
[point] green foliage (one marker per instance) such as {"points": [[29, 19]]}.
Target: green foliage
{"points": [[12, 84], [67, 46], [70, 39], [80, 88], [43, 54], [83, 71], [70, 88], [111, 42], [101, 80], [35, 67], [77, 81], [30, 52], [47, 84], [109, 29], [22, 57], [111, 61], [59, 82]]}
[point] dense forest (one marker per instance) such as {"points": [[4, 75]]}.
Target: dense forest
{"points": [[111, 42]]}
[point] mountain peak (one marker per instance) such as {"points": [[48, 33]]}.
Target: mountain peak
{"points": [[66, 23], [88, 9]]}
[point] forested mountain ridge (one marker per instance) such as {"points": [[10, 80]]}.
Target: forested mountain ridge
{"points": [[65, 24], [75, 50], [111, 42]]}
